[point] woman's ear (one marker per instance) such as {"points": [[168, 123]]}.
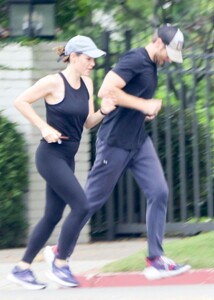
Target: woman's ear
{"points": [[72, 55]]}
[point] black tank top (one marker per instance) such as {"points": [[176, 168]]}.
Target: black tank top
{"points": [[69, 115]]}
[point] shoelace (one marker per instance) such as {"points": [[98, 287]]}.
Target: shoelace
{"points": [[32, 278], [64, 271], [167, 262]]}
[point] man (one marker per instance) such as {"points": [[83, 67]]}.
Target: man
{"points": [[122, 141]]}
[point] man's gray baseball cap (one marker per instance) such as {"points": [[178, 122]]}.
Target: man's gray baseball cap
{"points": [[83, 44], [173, 38]]}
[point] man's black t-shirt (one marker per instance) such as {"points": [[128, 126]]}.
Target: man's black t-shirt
{"points": [[124, 127]]}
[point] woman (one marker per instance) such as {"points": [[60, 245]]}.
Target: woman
{"points": [[69, 106]]}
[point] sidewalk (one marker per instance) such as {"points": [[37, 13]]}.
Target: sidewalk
{"points": [[88, 260]]}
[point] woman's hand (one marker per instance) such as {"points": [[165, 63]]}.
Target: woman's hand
{"points": [[107, 105], [50, 134]]}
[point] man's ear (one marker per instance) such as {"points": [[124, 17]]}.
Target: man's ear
{"points": [[159, 43]]}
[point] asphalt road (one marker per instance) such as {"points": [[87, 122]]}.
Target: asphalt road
{"points": [[190, 292]]}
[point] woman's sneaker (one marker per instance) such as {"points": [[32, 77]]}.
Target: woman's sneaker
{"points": [[62, 275], [162, 267], [49, 254], [26, 279]]}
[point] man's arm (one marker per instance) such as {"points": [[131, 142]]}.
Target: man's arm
{"points": [[95, 118], [112, 87]]}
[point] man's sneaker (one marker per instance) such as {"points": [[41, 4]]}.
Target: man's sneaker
{"points": [[62, 275], [49, 255], [162, 267], [25, 278]]}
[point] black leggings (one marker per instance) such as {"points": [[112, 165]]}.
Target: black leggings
{"points": [[55, 164]]}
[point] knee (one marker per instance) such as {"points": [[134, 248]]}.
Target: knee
{"points": [[85, 208], [54, 218], [164, 193], [160, 194], [82, 209]]}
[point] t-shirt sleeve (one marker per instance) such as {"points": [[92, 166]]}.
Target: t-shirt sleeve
{"points": [[129, 66]]}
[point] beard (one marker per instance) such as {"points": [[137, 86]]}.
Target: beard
{"points": [[158, 61]]}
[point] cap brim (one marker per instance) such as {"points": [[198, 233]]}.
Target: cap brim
{"points": [[174, 55], [95, 53]]}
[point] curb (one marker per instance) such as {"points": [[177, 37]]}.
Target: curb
{"points": [[201, 276]]}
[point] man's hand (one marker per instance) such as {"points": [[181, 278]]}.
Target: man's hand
{"points": [[152, 107]]}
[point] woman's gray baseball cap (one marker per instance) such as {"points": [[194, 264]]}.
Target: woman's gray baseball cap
{"points": [[83, 44], [173, 38]]}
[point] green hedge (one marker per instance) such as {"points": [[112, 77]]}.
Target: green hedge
{"points": [[13, 185]]}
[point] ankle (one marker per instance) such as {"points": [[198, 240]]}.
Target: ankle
{"points": [[60, 262], [23, 265]]}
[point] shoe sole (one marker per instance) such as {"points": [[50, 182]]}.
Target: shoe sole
{"points": [[54, 278], [151, 273], [26, 285]]}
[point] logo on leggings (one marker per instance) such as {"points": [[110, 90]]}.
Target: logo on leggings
{"points": [[105, 162]]}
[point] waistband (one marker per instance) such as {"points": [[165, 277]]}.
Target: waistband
{"points": [[62, 139]]}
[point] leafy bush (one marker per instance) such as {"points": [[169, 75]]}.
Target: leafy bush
{"points": [[13, 185]]}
